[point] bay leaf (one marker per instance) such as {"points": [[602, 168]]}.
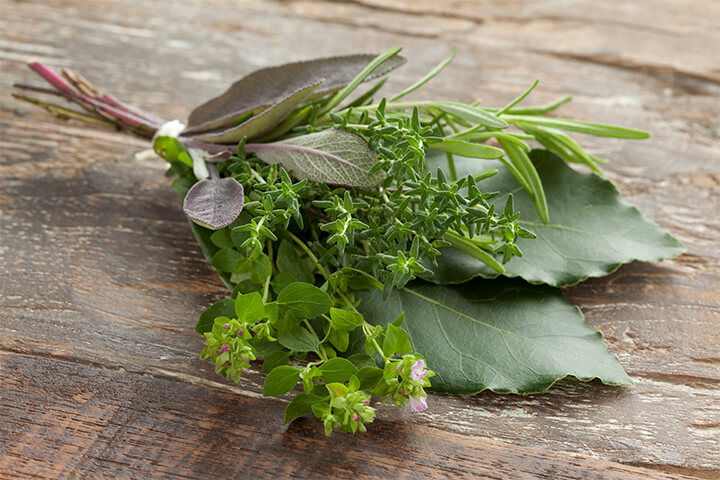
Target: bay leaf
{"points": [[502, 335], [592, 229]]}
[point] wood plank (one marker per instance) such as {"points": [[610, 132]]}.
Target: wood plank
{"points": [[98, 265], [109, 423]]}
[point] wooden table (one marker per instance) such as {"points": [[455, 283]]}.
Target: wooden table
{"points": [[101, 280]]}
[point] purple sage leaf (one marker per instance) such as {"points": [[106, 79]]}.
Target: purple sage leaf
{"points": [[258, 124], [214, 202], [261, 89]]}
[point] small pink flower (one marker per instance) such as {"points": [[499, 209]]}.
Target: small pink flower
{"points": [[240, 332], [356, 418], [225, 347], [226, 326], [337, 426], [229, 363], [416, 405], [418, 370], [218, 352], [366, 401]]}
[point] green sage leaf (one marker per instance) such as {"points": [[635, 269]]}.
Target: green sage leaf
{"points": [[258, 124], [332, 156]]}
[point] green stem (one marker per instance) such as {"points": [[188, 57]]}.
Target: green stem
{"points": [[451, 166], [310, 254], [320, 351], [266, 289], [465, 245], [65, 113]]}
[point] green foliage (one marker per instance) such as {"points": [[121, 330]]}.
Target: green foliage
{"points": [[593, 230], [326, 206], [346, 206], [503, 335]]}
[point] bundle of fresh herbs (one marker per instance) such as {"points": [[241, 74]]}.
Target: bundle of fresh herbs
{"points": [[366, 241]]}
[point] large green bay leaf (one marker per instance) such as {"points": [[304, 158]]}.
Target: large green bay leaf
{"points": [[503, 335], [592, 229]]}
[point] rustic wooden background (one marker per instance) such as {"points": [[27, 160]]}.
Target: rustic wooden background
{"points": [[101, 279]]}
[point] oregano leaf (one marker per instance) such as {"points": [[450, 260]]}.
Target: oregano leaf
{"points": [[301, 405], [280, 380]]}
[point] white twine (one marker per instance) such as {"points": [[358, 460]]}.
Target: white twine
{"points": [[173, 129]]}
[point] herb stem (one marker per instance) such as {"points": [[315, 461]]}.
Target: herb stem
{"points": [[320, 351], [467, 246], [310, 254]]}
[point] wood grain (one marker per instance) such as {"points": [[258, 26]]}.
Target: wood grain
{"points": [[134, 426], [101, 279]]}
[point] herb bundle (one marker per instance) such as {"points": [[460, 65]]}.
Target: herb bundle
{"points": [[366, 241]]}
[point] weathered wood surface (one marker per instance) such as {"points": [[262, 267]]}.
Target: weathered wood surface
{"points": [[101, 280]]}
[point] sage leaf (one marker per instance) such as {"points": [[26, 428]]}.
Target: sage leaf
{"points": [[332, 156], [503, 335], [592, 230], [214, 203], [266, 87], [258, 124]]}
